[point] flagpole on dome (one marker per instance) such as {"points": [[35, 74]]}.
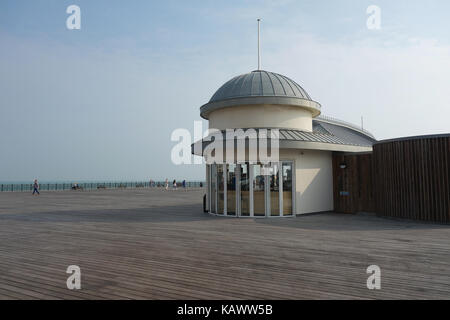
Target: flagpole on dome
{"points": [[259, 54]]}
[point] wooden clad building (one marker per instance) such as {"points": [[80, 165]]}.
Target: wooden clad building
{"points": [[403, 178]]}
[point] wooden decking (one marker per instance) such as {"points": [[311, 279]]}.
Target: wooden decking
{"points": [[149, 244]]}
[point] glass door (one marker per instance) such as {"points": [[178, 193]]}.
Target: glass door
{"points": [[221, 189], [252, 189], [244, 190], [259, 199], [231, 189], [274, 182], [213, 195], [287, 169]]}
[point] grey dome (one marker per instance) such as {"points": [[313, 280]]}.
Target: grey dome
{"points": [[259, 83], [260, 87]]}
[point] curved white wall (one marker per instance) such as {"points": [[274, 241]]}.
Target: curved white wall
{"points": [[313, 179], [261, 116]]}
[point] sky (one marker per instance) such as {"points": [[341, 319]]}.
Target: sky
{"points": [[101, 102]]}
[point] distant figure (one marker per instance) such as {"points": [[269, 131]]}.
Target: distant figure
{"points": [[167, 184], [174, 184], [184, 184], [36, 187], [76, 186]]}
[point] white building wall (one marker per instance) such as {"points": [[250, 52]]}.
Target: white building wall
{"points": [[313, 179], [261, 116]]}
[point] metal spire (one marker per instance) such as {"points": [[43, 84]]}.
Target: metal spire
{"points": [[259, 55]]}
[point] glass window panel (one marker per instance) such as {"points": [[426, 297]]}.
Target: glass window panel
{"points": [[245, 190], [208, 188], [274, 191], [287, 188], [231, 189], [258, 191], [213, 181], [220, 187]]}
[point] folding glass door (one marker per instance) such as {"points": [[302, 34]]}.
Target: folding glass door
{"points": [[252, 189]]}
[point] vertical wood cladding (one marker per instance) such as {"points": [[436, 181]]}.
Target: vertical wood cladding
{"points": [[405, 178], [412, 178], [353, 185]]}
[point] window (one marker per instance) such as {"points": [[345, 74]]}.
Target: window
{"points": [[221, 189], [287, 188], [259, 207], [245, 189], [231, 189]]}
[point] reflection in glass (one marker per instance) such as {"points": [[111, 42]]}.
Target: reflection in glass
{"points": [[262, 179], [258, 191], [245, 190], [287, 188], [231, 189], [274, 191], [220, 200]]}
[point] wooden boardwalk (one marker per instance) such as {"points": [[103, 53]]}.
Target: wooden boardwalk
{"points": [[154, 244]]}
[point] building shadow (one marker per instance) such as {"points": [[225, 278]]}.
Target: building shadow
{"points": [[349, 222], [194, 213], [156, 214]]}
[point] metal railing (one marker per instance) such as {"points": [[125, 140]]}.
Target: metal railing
{"points": [[28, 187], [345, 123]]}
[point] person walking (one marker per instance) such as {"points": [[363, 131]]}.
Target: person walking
{"points": [[36, 187], [167, 184]]}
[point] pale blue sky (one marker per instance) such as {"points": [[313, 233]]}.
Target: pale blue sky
{"points": [[101, 102]]}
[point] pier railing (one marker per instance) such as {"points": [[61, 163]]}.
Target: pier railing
{"points": [[23, 187]]}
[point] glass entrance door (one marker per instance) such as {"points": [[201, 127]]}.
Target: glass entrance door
{"points": [[252, 189], [259, 199], [244, 190], [287, 188], [231, 189], [221, 189], [274, 194], [213, 195]]}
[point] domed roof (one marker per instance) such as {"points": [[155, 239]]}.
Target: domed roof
{"points": [[260, 87], [259, 83]]}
